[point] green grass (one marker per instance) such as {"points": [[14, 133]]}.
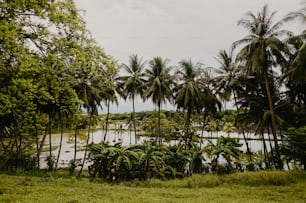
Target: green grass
{"points": [[258, 187]]}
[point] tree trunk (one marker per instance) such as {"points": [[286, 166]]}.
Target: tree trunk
{"points": [[86, 147], [158, 129], [265, 152], [279, 164], [37, 145], [106, 121], [49, 133], [134, 119], [42, 142], [61, 140], [75, 143], [203, 126], [242, 129], [187, 126]]}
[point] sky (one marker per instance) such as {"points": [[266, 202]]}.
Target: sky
{"points": [[173, 29]]}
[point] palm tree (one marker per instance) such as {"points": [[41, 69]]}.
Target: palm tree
{"points": [[90, 92], [228, 82], [158, 86], [110, 94], [263, 49], [133, 82], [227, 79], [296, 73], [188, 91]]}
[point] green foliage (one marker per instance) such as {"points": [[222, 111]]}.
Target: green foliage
{"points": [[294, 146], [147, 161], [228, 148], [17, 161], [47, 57]]}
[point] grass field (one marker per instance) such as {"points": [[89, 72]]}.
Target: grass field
{"points": [[258, 187]]}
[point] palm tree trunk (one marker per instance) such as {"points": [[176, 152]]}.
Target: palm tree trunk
{"points": [[75, 142], [187, 125], [203, 126], [86, 147], [242, 129], [106, 121], [158, 140], [265, 151], [279, 164], [134, 119], [131, 135]]}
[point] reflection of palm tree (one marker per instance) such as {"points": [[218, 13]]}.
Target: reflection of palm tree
{"points": [[133, 82], [262, 51], [158, 86]]}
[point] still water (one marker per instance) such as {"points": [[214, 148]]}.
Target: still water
{"points": [[127, 138]]}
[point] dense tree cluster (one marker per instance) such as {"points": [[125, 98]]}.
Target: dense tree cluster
{"points": [[51, 70], [50, 67]]}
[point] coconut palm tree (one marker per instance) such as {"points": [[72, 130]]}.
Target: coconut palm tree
{"points": [[90, 92], [228, 82], [188, 92], [158, 86], [227, 79], [263, 50], [296, 72], [133, 82]]}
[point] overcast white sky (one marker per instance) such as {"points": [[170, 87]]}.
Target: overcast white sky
{"points": [[174, 29]]}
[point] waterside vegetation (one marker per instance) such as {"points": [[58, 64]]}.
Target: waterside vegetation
{"points": [[55, 77]]}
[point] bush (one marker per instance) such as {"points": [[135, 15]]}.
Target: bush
{"points": [[17, 161]]}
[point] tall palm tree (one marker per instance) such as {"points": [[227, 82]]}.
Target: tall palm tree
{"points": [[158, 86], [228, 81], [296, 73], [90, 91], [263, 50], [133, 82], [188, 91]]}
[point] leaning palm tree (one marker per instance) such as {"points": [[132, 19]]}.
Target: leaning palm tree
{"points": [[188, 92], [263, 50], [133, 82], [228, 82], [158, 86], [89, 91]]}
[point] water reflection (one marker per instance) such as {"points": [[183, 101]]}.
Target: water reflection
{"points": [[128, 138]]}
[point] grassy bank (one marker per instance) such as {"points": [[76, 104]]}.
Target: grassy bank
{"points": [[243, 187]]}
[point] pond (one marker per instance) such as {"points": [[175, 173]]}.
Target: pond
{"points": [[127, 138]]}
